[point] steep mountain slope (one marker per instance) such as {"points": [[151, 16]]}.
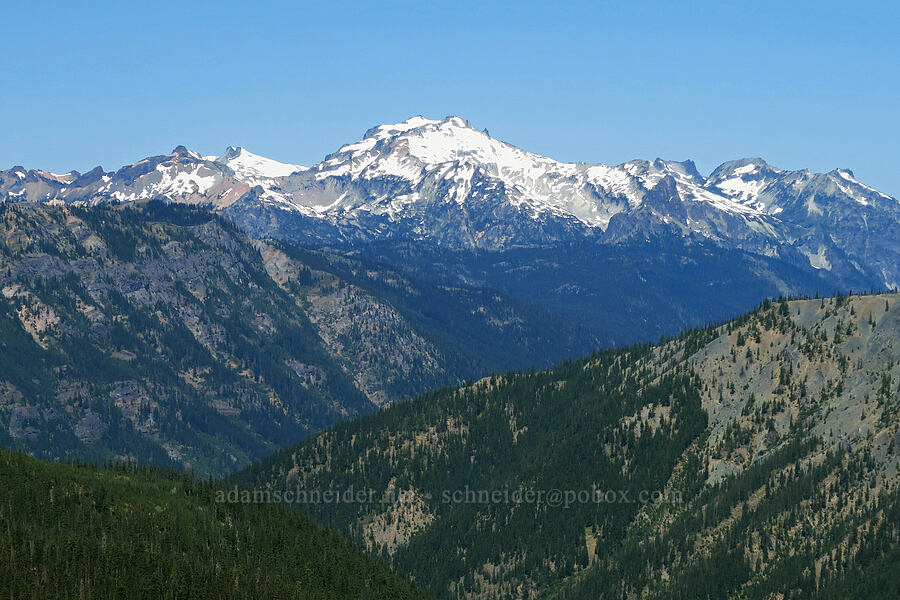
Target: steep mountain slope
{"points": [[802, 463], [253, 169], [76, 531], [154, 335], [627, 293], [408, 333], [163, 334], [690, 469]]}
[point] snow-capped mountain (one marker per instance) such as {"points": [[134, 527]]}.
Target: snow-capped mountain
{"points": [[422, 156], [449, 183], [253, 169], [451, 150], [180, 176]]}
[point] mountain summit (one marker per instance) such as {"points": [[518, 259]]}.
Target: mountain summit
{"points": [[252, 168]]}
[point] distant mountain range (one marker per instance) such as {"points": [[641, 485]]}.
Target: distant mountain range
{"points": [[482, 246], [448, 184]]}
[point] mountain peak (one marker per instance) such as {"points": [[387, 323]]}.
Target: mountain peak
{"points": [[183, 152], [846, 176], [686, 169], [740, 167], [845, 173], [415, 123], [424, 177], [389, 129], [231, 152], [457, 122], [252, 167]]}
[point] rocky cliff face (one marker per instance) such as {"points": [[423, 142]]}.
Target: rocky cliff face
{"points": [[129, 334]]}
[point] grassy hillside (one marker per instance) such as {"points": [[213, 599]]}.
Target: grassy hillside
{"points": [[769, 448], [70, 531]]}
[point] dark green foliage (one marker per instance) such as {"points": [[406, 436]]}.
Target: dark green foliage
{"points": [[796, 521], [71, 531], [563, 429], [778, 530]]}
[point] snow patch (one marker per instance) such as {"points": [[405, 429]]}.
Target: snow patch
{"points": [[812, 208], [819, 260], [746, 169], [181, 182], [742, 190]]}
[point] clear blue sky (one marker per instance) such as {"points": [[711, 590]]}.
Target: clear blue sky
{"points": [[805, 85]]}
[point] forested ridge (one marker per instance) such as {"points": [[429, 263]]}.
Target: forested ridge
{"points": [[120, 531], [772, 439]]}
